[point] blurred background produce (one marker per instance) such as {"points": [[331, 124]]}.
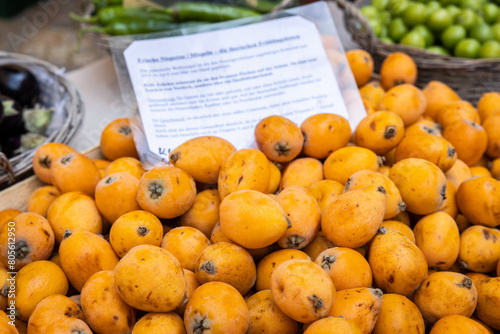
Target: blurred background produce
{"points": [[461, 28], [113, 17]]}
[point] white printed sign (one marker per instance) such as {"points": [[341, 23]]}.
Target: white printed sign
{"points": [[222, 83]]}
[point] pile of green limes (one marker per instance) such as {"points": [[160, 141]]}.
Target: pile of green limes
{"points": [[462, 28]]}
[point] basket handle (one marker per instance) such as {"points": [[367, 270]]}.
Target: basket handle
{"points": [[7, 168], [353, 19]]}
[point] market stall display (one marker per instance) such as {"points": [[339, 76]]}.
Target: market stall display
{"points": [[382, 224], [377, 212]]}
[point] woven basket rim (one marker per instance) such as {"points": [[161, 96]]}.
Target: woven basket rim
{"points": [[20, 164], [421, 57]]}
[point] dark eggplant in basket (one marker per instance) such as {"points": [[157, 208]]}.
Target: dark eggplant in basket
{"points": [[20, 84], [11, 124], [9, 146]]}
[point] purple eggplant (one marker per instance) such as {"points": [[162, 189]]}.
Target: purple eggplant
{"points": [[12, 124], [20, 84], [9, 146]]}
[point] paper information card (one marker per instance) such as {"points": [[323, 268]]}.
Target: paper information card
{"points": [[222, 83]]}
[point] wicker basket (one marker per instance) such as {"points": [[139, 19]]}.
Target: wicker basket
{"points": [[57, 92], [470, 78]]}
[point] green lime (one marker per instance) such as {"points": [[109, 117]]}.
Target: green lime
{"points": [[467, 48], [413, 38], [472, 4], [432, 6], [387, 40], [397, 29], [453, 10], [450, 2], [438, 50], [452, 35], [426, 34], [376, 27], [496, 31], [482, 32], [370, 12], [490, 49], [385, 17], [380, 4], [467, 18], [439, 20], [383, 31], [397, 7], [490, 13], [415, 14]]}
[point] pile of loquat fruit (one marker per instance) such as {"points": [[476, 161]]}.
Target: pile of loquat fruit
{"points": [[391, 227]]}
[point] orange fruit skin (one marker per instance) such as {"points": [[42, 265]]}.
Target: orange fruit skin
{"points": [[133, 229], [186, 244], [33, 237], [116, 195], [456, 324], [84, 253], [301, 172], [302, 290], [361, 64], [246, 169], [398, 265], [151, 279], [438, 94], [104, 309], [399, 313], [202, 157], [489, 104], [252, 219], [125, 164], [68, 326], [446, 293], [229, 263], [333, 325], [159, 323], [204, 213], [74, 210], [45, 156], [52, 310], [347, 223], [278, 138], [75, 172], [406, 100], [166, 192], [347, 268], [218, 306], [266, 317], [117, 140], [359, 305], [324, 133], [36, 281], [398, 68], [41, 199]]}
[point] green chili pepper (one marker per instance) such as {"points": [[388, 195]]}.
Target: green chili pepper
{"points": [[202, 11], [108, 15], [98, 4], [141, 26], [262, 6]]}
